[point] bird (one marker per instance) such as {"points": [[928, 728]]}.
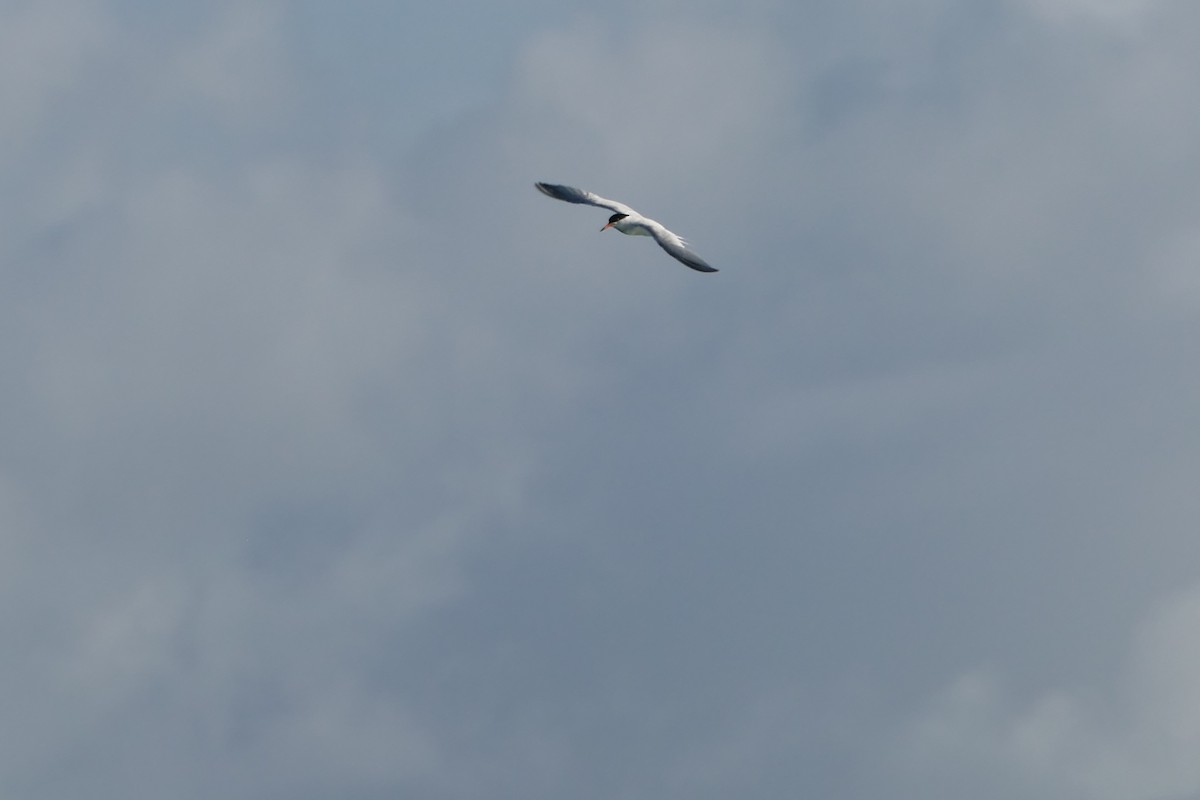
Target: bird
{"points": [[630, 222]]}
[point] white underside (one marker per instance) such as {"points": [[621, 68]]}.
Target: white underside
{"points": [[632, 228]]}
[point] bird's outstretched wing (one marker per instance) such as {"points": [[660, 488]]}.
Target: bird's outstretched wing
{"points": [[674, 244], [573, 195]]}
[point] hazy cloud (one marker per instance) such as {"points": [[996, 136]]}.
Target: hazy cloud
{"points": [[339, 461], [1135, 738]]}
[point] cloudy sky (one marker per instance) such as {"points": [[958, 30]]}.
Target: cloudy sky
{"points": [[338, 462]]}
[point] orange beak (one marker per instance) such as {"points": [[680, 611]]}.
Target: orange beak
{"points": [[606, 227]]}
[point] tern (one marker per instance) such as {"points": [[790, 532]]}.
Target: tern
{"points": [[629, 222]]}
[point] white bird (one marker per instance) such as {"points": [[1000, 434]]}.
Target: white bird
{"points": [[629, 222]]}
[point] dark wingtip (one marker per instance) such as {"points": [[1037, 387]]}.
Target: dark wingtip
{"points": [[697, 263]]}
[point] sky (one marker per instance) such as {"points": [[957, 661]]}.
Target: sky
{"points": [[339, 462]]}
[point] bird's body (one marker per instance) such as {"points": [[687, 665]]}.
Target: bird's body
{"points": [[630, 222]]}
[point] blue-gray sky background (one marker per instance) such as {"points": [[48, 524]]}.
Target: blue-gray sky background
{"points": [[338, 462]]}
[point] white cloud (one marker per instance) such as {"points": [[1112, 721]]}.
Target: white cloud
{"points": [[46, 49], [665, 99], [1112, 12], [239, 65], [1136, 742]]}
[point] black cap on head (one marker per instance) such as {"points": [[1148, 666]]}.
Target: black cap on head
{"points": [[617, 218]]}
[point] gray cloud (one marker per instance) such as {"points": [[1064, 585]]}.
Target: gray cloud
{"points": [[1086, 741], [342, 465]]}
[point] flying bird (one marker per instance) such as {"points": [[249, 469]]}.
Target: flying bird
{"points": [[630, 222]]}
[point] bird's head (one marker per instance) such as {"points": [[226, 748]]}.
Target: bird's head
{"points": [[613, 220]]}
